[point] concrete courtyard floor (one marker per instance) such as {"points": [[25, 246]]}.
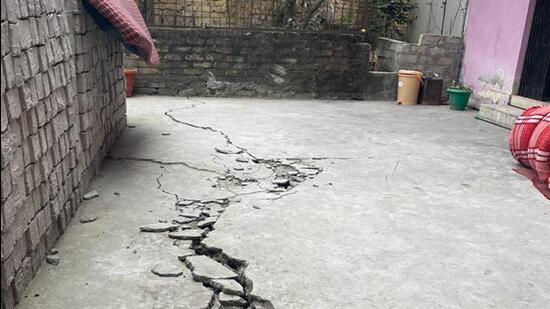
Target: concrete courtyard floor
{"points": [[321, 204]]}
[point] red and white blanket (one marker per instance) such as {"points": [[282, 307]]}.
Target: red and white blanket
{"points": [[530, 145], [125, 17]]}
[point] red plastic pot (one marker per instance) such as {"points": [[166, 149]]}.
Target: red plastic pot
{"points": [[130, 77]]}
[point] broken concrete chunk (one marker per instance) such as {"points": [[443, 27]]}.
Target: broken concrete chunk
{"points": [[53, 251], [87, 219], [91, 195], [184, 253], [167, 270], [184, 244], [53, 259], [183, 220], [260, 303], [281, 181], [231, 300], [207, 222], [190, 213], [228, 286], [158, 227], [187, 235], [212, 212], [227, 151], [204, 269], [298, 179], [242, 159], [220, 201], [184, 203]]}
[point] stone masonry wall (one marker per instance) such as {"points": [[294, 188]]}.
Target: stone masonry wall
{"points": [[433, 54], [62, 107], [245, 13], [259, 63]]}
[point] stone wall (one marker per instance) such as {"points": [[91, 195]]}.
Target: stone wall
{"points": [[259, 63], [246, 13], [63, 105], [433, 54]]}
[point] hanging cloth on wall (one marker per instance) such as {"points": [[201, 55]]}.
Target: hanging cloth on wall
{"points": [[124, 17]]}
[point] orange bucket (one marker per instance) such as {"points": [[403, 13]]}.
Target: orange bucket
{"points": [[408, 86]]}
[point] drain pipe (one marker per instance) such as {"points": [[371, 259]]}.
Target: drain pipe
{"points": [[444, 15]]}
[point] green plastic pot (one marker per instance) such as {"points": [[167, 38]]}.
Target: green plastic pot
{"points": [[458, 98]]}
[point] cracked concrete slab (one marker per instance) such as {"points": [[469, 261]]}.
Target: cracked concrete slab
{"points": [[384, 206]]}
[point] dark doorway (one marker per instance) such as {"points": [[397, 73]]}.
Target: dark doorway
{"points": [[535, 78]]}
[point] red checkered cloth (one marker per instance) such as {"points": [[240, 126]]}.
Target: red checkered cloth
{"points": [[539, 148], [522, 131], [126, 18], [530, 145]]}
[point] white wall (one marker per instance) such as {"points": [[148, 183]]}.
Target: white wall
{"points": [[430, 17]]}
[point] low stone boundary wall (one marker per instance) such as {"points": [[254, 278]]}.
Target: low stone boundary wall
{"points": [[381, 86], [433, 54], [63, 106], [255, 63]]}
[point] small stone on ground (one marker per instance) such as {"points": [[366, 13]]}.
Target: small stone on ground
{"points": [[53, 259], [88, 219], [91, 195]]}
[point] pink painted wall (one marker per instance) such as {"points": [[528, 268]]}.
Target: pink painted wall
{"points": [[495, 39]]}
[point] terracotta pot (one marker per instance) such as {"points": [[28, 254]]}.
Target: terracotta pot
{"points": [[130, 76]]}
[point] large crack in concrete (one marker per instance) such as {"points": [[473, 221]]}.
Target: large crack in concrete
{"points": [[196, 218]]}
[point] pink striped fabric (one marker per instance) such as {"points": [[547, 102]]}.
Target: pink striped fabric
{"points": [[539, 149], [126, 18], [522, 131]]}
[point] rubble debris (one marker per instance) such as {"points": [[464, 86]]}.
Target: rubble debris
{"points": [[167, 270], [204, 269], [228, 286], [207, 222], [184, 253], [231, 300], [183, 220], [227, 151], [158, 227], [190, 213], [281, 181], [184, 202], [187, 235]]}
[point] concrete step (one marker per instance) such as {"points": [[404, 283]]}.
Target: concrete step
{"points": [[501, 115], [525, 103]]}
